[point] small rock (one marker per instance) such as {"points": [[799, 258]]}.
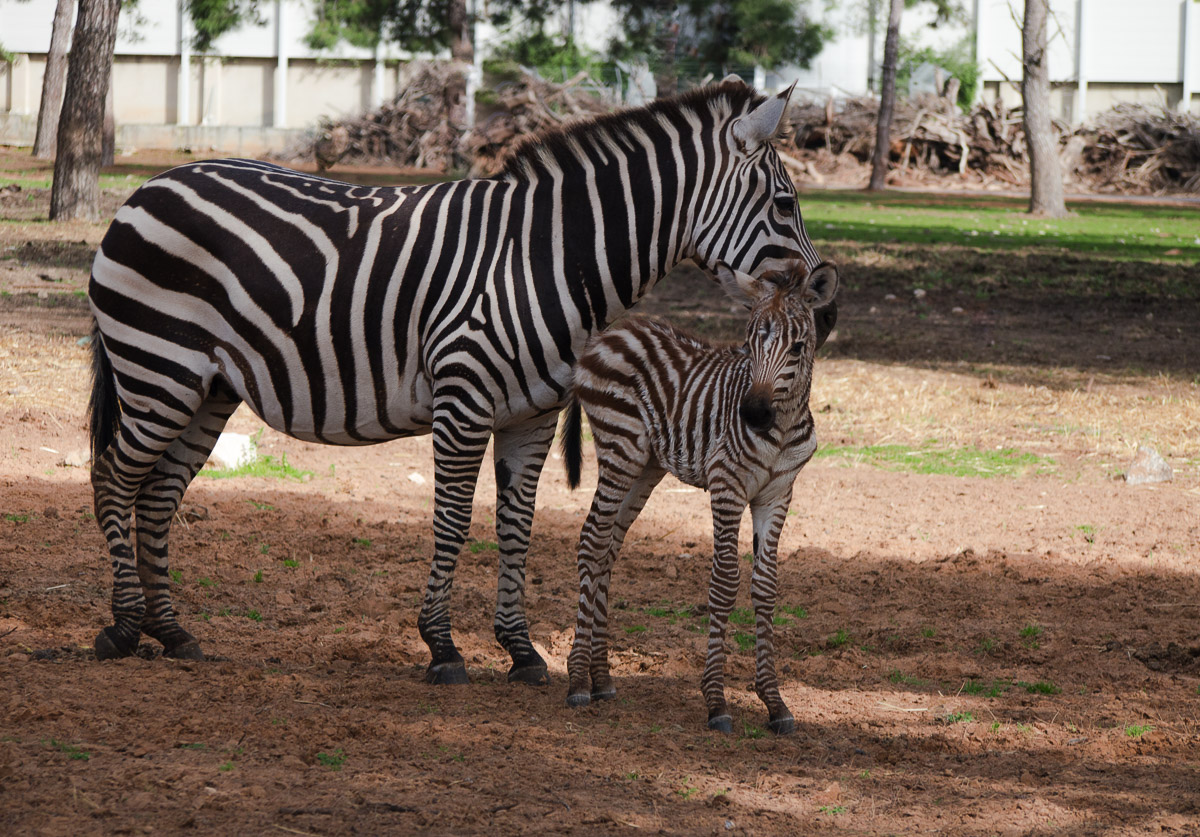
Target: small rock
{"points": [[889, 297], [50, 512], [18, 657], [919, 293], [957, 309], [233, 450], [1147, 467], [872, 310], [671, 571], [414, 477], [86, 340], [76, 458]]}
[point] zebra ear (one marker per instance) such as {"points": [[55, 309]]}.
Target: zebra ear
{"points": [[760, 124], [742, 288], [821, 286], [732, 77]]}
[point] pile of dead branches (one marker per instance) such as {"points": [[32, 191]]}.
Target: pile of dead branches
{"points": [[528, 106], [414, 129], [1137, 148]]}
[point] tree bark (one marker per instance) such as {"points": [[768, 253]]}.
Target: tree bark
{"points": [[1045, 176], [76, 189], [666, 80], [887, 99], [52, 84], [462, 54], [108, 144]]}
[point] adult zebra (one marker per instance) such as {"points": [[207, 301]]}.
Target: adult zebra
{"points": [[354, 315]]}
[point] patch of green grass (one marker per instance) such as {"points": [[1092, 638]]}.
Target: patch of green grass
{"points": [[71, 751], [291, 563], [688, 790], [265, 467], [1041, 687], [742, 616], [176, 576], [901, 679], [631, 776], [1138, 730], [484, 546], [958, 462], [744, 640], [635, 629], [254, 615], [751, 731], [929, 632], [986, 646], [832, 809], [365, 543], [258, 577], [795, 610], [960, 718], [985, 689], [334, 760], [195, 745], [838, 639], [225, 767], [671, 612], [17, 518], [206, 582], [1089, 532]]}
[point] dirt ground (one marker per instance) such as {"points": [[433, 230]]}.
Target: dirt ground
{"points": [[963, 655]]}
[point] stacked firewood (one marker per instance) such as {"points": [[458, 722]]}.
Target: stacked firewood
{"points": [[1136, 148]]}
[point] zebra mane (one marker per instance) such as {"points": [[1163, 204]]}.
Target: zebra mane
{"points": [[561, 144]]}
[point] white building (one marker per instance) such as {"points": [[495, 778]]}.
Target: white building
{"points": [[262, 83]]}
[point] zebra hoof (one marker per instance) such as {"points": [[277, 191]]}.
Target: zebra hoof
{"points": [[782, 726], [453, 673], [189, 650], [579, 701], [532, 675], [721, 723], [607, 693], [110, 645]]}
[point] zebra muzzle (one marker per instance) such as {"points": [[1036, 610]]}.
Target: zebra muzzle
{"points": [[756, 411]]}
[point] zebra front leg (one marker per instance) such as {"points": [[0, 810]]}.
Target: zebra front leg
{"points": [[768, 521], [520, 452], [722, 592], [458, 450], [157, 502]]}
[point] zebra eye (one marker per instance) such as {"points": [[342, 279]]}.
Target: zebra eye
{"points": [[797, 348], [785, 204]]}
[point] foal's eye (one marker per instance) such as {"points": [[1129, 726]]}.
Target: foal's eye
{"points": [[798, 348], [786, 204]]}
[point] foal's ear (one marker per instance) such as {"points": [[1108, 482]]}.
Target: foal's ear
{"points": [[821, 286], [761, 123], [742, 288]]}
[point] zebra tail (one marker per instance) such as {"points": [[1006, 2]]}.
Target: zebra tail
{"points": [[572, 441], [103, 410]]}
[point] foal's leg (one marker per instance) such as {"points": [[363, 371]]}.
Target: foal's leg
{"points": [[768, 521], [727, 509]]}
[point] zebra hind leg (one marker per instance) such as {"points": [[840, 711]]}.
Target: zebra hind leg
{"points": [[157, 502], [520, 453]]}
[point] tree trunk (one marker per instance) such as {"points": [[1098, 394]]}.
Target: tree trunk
{"points": [[76, 189], [462, 55], [52, 83], [887, 99], [666, 80], [108, 145], [1045, 177]]}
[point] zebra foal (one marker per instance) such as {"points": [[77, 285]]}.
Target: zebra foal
{"points": [[731, 420]]}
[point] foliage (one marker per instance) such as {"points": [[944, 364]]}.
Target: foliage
{"points": [[715, 37], [956, 60], [553, 58], [213, 18]]}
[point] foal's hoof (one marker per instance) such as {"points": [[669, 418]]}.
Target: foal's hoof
{"points": [[607, 693], [453, 673], [721, 723], [782, 726], [112, 646], [579, 701], [189, 650], [532, 675]]}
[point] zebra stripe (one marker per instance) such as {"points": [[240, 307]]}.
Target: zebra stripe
{"points": [[734, 421], [353, 315]]}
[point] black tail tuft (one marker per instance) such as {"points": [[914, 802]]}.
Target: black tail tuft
{"points": [[572, 441], [103, 410]]}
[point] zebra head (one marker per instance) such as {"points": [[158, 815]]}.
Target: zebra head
{"points": [[781, 336], [752, 222]]}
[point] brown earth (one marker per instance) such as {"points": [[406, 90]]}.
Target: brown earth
{"points": [[964, 655]]}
